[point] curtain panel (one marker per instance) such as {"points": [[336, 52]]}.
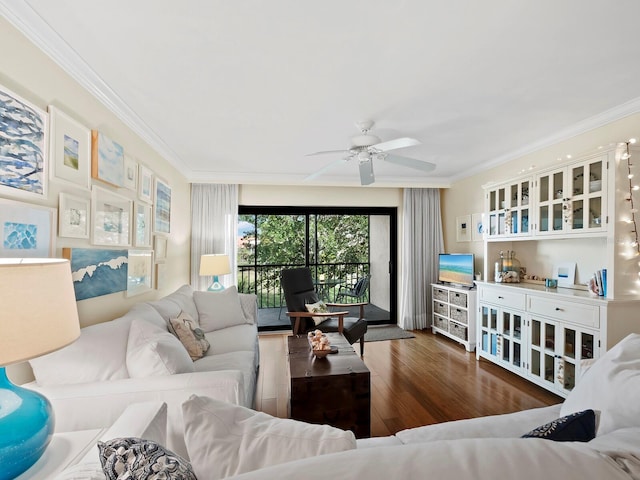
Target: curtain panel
{"points": [[214, 226], [422, 242]]}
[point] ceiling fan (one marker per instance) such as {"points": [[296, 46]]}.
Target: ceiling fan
{"points": [[365, 148]]}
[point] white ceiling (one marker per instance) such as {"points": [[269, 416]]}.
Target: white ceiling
{"points": [[240, 91]]}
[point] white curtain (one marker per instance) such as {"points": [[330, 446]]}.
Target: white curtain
{"points": [[214, 220], [422, 242]]}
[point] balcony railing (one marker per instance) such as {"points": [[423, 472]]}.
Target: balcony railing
{"points": [[264, 280]]}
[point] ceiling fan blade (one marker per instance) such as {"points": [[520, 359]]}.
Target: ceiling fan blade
{"points": [[326, 152], [410, 162], [397, 143], [326, 168], [366, 173]]}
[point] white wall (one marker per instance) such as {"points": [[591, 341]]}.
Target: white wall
{"points": [[28, 72]]}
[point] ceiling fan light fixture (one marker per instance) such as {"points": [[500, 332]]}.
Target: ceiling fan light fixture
{"points": [[364, 156]]}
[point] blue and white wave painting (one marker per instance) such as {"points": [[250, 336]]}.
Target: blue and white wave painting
{"points": [[98, 272], [22, 138]]}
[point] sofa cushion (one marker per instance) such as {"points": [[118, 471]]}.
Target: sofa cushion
{"points": [[133, 457], [97, 355], [224, 439], [152, 351], [190, 335], [146, 312], [231, 339], [608, 385], [218, 310], [576, 427], [242, 361], [174, 303]]}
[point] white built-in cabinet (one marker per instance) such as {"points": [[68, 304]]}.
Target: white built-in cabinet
{"points": [[454, 312]]}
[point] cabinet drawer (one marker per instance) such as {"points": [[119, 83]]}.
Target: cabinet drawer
{"points": [[503, 298], [440, 294], [441, 308], [459, 331], [441, 323], [588, 315], [458, 315], [458, 299]]}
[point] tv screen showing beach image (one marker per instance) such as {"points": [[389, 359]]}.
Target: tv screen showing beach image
{"points": [[456, 269]]}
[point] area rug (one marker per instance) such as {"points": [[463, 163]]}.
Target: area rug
{"points": [[377, 333]]}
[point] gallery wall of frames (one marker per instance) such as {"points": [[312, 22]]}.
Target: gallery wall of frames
{"points": [[113, 215]]}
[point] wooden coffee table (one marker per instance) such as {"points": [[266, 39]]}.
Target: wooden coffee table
{"points": [[333, 390]]}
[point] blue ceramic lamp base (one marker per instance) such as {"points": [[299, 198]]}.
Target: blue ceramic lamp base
{"points": [[216, 286], [26, 427]]}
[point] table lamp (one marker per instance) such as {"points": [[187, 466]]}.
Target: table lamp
{"points": [[38, 315], [215, 264]]}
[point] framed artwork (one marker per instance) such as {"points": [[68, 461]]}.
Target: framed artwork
{"points": [[162, 207], [477, 223], [161, 276], [24, 133], [463, 228], [160, 248], [74, 216], [26, 230], [139, 272], [141, 225], [111, 218], [107, 160], [145, 184], [130, 173], [96, 272], [69, 149]]}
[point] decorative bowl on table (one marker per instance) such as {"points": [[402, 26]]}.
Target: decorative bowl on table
{"points": [[319, 343]]}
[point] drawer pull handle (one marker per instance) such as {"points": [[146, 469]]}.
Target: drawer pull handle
{"points": [[500, 298], [558, 309]]}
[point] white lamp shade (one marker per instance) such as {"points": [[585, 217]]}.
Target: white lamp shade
{"points": [[215, 264], [39, 312]]}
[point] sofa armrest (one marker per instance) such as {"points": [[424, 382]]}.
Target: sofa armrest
{"points": [[99, 404], [510, 425]]}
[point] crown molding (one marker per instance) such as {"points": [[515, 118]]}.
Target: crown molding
{"points": [[35, 29]]}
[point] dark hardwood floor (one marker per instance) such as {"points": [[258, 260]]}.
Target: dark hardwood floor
{"points": [[419, 381]]}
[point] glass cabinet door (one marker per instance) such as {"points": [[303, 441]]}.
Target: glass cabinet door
{"points": [[542, 354], [576, 346], [508, 208], [586, 204], [511, 332], [552, 204], [489, 330]]}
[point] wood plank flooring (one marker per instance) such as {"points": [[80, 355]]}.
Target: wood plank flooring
{"points": [[424, 380]]}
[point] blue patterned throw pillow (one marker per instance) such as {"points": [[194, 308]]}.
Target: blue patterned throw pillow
{"points": [[137, 459], [577, 427]]}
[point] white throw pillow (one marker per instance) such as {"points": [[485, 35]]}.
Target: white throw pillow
{"points": [[225, 439], [610, 386], [218, 310], [318, 307], [153, 352]]}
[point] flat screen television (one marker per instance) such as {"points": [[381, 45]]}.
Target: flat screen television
{"points": [[456, 269]]}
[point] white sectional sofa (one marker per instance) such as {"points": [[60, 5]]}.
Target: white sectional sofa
{"points": [[230, 441], [93, 380]]}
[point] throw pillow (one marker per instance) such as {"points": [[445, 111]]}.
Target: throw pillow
{"points": [[608, 385], [577, 427], [153, 352], [218, 310], [225, 439], [137, 459], [318, 307], [189, 334]]}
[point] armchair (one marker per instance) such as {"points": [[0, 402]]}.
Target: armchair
{"points": [[297, 284]]}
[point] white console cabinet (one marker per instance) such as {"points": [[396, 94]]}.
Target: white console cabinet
{"points": [[454, 314], [548, 335]]}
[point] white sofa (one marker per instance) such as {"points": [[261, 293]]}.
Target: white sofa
{"points": [[228, 441], [93, 380]]}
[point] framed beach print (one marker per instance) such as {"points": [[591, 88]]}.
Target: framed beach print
{"points": [[96, 271], [111, 218], [24, 133], [69, 149], [130, 173], [145, 184], [74, 216], [107, 159], [463, 228], [477, 223], [141, 225], [160, 248], [26, 230], [140, 272], [162, 207]]}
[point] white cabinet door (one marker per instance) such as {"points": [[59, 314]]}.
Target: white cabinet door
{"points": [[509, 209]]}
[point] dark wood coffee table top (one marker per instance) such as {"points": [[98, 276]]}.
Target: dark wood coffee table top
{"points": [[303, 363]]}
